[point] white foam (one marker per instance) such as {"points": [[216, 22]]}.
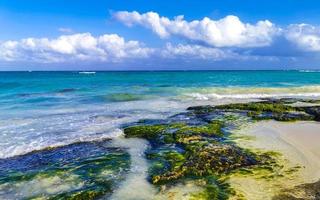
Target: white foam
{"points": [[87, 72], [312, 91], [309, 71], [136, 185], [206, 97], [52, 128], [40, 185]]}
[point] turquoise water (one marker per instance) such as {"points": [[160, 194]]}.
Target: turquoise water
{"points": [[42, 109], [21, 90], [78, 112]]}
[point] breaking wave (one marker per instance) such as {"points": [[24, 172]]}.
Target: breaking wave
{"points": [[253, 92]]}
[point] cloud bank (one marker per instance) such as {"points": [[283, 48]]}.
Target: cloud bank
{"points": [[187, 51], [226, 39], [76, 47]]}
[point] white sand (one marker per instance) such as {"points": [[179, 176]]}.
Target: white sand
{"points": [[303, 139], [299, 144]]}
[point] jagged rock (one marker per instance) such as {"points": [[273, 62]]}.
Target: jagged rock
{"points": [[313, 110], [211, 159]]}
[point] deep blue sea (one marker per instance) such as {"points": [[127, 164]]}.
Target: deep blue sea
{"points": [[46, 109]]}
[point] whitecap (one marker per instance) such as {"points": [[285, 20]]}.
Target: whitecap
{"points": [[87, 72]]}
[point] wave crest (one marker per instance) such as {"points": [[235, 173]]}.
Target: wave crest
{"points": [[253, 92]]}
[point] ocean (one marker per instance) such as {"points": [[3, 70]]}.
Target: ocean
{"points": [[53, 125], [48, 109]]}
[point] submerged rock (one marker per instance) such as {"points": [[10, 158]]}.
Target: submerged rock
{"points": [[85, 170], [175, 133], [66, 90], [189, 146], [194, 145], [182, 150], [276, 109], [211, 159]]}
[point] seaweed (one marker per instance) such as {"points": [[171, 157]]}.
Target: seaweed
{"points": [[194, 145], [80, 167]]}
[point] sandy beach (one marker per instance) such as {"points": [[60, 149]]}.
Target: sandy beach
{"points": [[298, 144]]}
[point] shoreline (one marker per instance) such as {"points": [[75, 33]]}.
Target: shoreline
{"points": [[297, 144], [230, 151]]}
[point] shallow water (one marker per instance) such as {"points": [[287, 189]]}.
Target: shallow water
{"points": [[39, 110], [42, 109]]}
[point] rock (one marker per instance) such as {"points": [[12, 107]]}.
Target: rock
{"points": [[89, 169], [194, 144], [313, 110], [211, 159]]}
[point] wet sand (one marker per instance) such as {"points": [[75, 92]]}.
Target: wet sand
{"points": [[298, 143]]}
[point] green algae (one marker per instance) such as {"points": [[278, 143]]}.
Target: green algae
{"points": [[204, 153], [242, 137], [78, 177], [205, 150], [203, 160], [200, 151], [213, 190], [213, 128], [175, 132], [175, 159], [279, 110], [144, 131], [171, 165], [259, 107]]}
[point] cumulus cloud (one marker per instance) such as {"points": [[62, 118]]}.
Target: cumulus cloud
{"points": [[226, 32], [305, 36], [76, 47]]}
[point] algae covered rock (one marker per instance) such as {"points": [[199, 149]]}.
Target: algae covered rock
{"points": [[210, 159], [313, 110], [276, 109], [84, 170], [218, 158], [144, 131], [194, 145], [259, 107], [285, 116], [175, 132], [211, 129]]}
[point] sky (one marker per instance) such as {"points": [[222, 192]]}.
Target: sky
{"points": [[159, 35]]}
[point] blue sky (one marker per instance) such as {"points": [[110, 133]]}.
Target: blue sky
{"points": [[148, 35]]}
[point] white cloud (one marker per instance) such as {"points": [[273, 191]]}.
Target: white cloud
{"points": [[76, 47], [305, 36], [226, 32], [191, 52], [187, 51], [105, 48]]}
